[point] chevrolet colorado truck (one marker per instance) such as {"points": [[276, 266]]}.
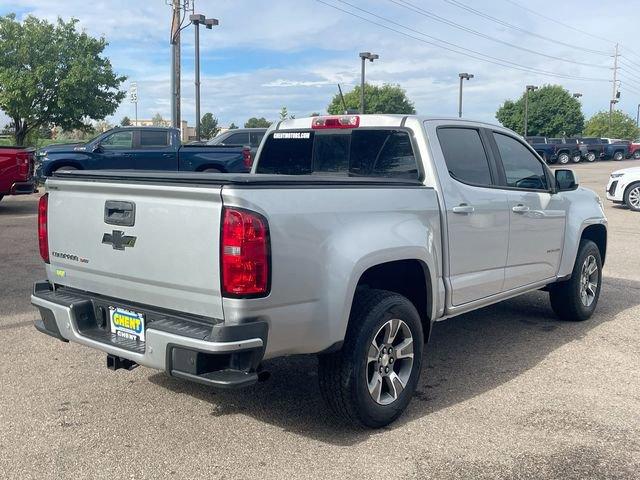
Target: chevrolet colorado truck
{"points": [[16, 171], [143, 148], [352, 236]]}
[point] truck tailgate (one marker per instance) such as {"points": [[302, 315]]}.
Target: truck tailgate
{"points": [[168, 258]]}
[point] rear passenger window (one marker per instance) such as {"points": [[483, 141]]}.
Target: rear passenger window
{"points": [[153, 138], [522, 168], [464, 155], [256, 138], [237, 139]]}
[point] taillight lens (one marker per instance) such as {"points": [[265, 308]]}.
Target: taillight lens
{"points": [[43, 234], [344, 121], [23, 163], [246, 158], [245, 254]]}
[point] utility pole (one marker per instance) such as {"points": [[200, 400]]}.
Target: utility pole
{"points": [[463, 76], [530, 88], [133, 93], [197, 20], [615, 95], [176, 5]]}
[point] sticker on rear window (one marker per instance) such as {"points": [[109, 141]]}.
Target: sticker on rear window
{"points": [[292, 135]]}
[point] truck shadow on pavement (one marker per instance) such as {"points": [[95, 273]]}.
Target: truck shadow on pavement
{"points": [[26, 205], [467, 356]]}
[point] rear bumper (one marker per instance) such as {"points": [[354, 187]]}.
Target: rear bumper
{"points": [[21, 188], [223, 356]]}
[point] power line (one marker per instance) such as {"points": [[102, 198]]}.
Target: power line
{"points": [[521, 29], [438, 18], [474, 54], [629, 60], [551, 19]]}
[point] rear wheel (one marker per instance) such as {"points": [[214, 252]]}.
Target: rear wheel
{"points": [[371, 380], [211, 170], [632, 197], [65, 168], [618, 156], [636, 155], [576, 299], [576, 158], [591, 157], [563, 158]]}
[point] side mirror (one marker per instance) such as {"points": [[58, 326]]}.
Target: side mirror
{"points": [[565, 180]]}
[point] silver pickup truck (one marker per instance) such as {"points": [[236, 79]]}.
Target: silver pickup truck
{"points": [[350, 238]]}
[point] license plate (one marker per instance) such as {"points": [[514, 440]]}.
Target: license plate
{"points": [[127, 323]]}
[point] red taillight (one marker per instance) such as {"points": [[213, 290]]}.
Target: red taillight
{"points": [[246, 158], [344, 121], [23, 161], [43, 234], [244, 252]]}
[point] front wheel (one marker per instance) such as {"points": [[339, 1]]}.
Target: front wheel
{"points": [[576, 158], [632, 197], [576, 299], [636, 155], [618, 156], [563, 158], [371, 380], [591, 157]]}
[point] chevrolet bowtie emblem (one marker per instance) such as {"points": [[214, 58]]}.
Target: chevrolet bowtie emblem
{"points": [[118, 240]]}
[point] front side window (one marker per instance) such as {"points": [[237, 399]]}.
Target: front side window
{"points": [[153, 138], [521, 167], [118, 141], [256, 138], [465, 156]]}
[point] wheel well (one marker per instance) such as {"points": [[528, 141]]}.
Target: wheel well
{"points": [[409, 278], [202, 168], [598, 235], [65, 163]]}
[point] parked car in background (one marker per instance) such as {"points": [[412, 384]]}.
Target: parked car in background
{"points": [[624, 188], [143, 148], [352, 236], [595, 148], [240, 136], [16, 171], [557, 150], [615, 149], [634, 149]]}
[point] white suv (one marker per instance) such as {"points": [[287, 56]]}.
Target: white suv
{"points": [[624, 187]]}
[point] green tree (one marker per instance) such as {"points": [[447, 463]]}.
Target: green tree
{"points": [[53, 74], [233, 126], [254, 122], [622, 126], [157, 120], [125, 122], [385, 99], [209, 126], [553, 112]]}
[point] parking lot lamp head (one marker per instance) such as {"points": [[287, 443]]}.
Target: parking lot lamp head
{"points": [[462, 76], [365, 56]]}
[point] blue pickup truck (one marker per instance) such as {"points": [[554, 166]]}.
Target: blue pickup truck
{"points": [[142, 148], [558, 150]]}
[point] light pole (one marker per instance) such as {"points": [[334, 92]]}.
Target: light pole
{"points": [[365, 56], [209, 23], [611, 104], [463, 76], [530, 88]]}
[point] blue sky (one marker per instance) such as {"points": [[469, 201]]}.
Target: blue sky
{"points": [[265, 55]]}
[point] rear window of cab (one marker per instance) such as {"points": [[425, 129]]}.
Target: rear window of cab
{"points": [[353, 152]]}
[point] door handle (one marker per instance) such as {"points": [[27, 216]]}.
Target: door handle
{"points": [[167, 155], [463, 208], [520, 208]]}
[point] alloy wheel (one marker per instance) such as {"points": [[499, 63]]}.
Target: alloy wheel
{"points": [[634, 197], [589, 280], [389, 361]]}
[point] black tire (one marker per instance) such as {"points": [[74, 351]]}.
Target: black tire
{"points": [[576, 158], [565, 297], [344, 375], [591, 156], [632, 197], [617, 156], [1, 197], [211, 170], [563, 158], [636, 155]]}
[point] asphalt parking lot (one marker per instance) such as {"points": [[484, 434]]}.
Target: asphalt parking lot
{"points": [[507, 392]]}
